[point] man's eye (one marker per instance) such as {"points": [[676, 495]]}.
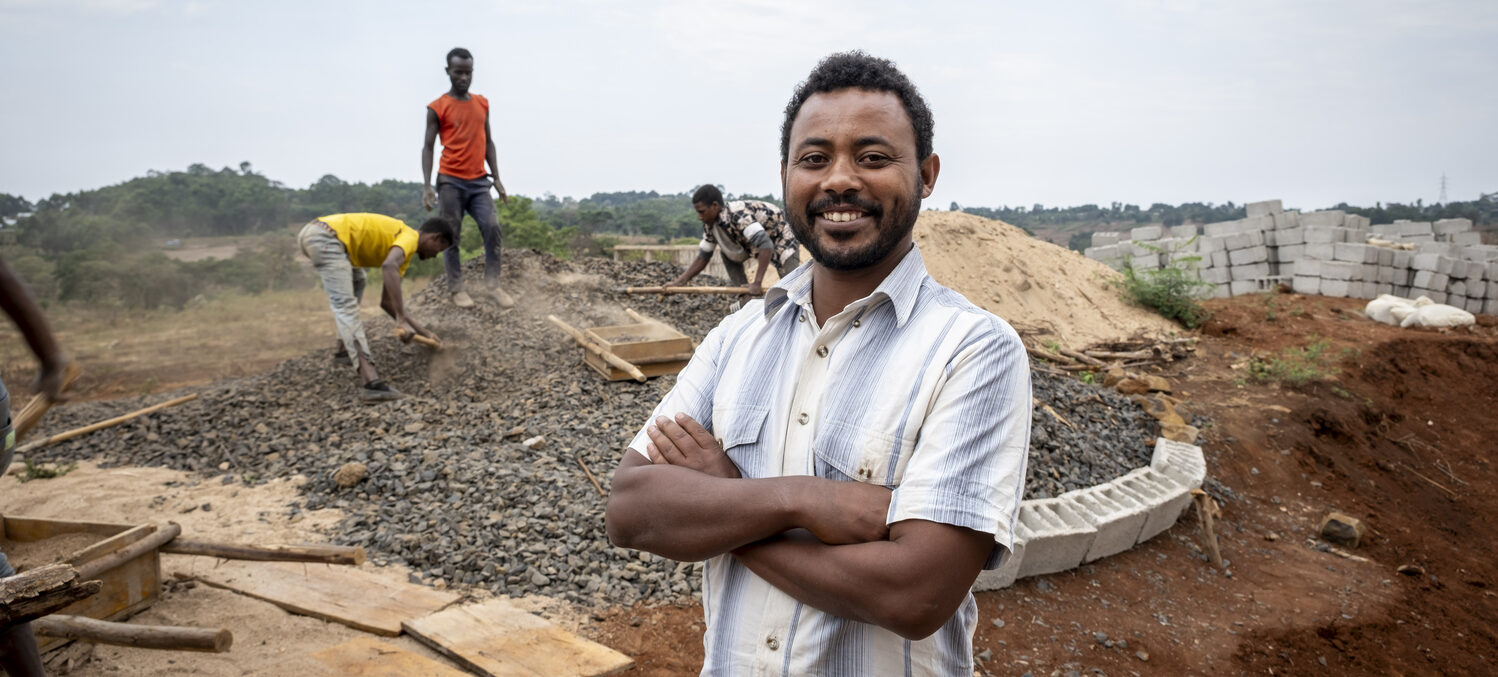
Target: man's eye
{"points": [[875, 158], [814, 159]]}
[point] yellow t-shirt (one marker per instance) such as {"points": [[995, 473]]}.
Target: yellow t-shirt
{"points": [[369, 237]]}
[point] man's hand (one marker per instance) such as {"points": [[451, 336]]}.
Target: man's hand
{"points": [[405, 329], [840, 513], [429, 198], [503, 196], [755, 289], [49, 380], [684, 442]]}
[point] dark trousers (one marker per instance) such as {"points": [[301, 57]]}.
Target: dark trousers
{"points": [[456, 196]]}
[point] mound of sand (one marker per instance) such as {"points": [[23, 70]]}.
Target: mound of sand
{"points": [[1046, 292]]}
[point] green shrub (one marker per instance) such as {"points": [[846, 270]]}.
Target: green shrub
{"points": [[1298, 366], [1173, 291]]}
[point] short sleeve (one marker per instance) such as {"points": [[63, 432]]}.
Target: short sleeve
{"points": [[407, 239], [693, 393], [968, 467]]}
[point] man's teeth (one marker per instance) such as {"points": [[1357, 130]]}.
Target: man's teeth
{"points": [[841, 217]]}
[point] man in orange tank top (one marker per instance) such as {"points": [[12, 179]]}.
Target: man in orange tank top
{"points": [[462, 120]]}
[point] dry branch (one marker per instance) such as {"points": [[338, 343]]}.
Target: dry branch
{"points": [[321, 554], [168, 637], [160, 537], [37, 592], [686, 290], [78, 432]]}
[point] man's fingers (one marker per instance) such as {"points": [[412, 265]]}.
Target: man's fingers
{"points": [[678, 435], [664, 446], [698, 433]]}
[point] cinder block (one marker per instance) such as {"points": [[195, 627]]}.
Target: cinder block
{"points": [[1457, 288], [1220, 259], [1385, 256], [1216, 275], [1243, 240], [1184, 231], [1357, 222], [1105, 238], [1222, 228], [1321, 251], [1243, 287], [1220, 291], [1426, 261], [1435, 295], [1117, 516], [1290, 236], [1305, 284], [1291, 252], [1008, 571], [1467, 238], [1476, 270], [1408, 228], [1331, 218], [1147, 233], [1385, 275], [1249, 271], [1458, 270], [1321, 235], [1429, 279], [1057, 537], [1341, 270], [1403, 259], [1165, 498], [1388, 231], [1270, 238], [1207, 244], [1490, 306], [1351, 252], [1183, 462], [1366, 290], [1239, 257], [1306, 268], [1264, 222], [1264, 208], [1287, 219], [1474, 305], [1337, 288], [1445, 264], [1450, 226]]}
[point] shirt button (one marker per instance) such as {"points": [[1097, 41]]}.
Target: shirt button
{"points": [[803, 418], [857, 323], [773, 643], [801, 316], [821, 351]]}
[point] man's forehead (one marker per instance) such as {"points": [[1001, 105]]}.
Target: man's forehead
{"points": [[860, 111], [460, 62]]}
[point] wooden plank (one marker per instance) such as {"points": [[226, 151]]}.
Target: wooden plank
{"points": [[497, 639], [22, 528], [650, 370], [361, 657], [358, 599]]}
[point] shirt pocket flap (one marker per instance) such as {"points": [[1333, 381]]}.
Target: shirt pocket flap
{"points": [[855, 453], [740, 425]]}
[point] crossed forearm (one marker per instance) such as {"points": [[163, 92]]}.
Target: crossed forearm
{"points": [[689, 516]]}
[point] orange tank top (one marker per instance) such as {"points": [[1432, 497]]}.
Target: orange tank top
{"points": [[461, 126]]}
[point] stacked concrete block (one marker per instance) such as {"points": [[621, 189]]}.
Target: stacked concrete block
{"points": [[1117, 515], [1182, 462], [1147, 233], [1166, 497], [1056, 535]]}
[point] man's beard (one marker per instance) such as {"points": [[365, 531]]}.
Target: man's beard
{"points": [[890, 230]]}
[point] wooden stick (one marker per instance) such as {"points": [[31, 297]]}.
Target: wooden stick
{"points": [[95, 568], [78, 432], [423, 340], [641, 318], [605, 353], [1135, 355], [1080, 357], [589, 473], [170, 637], [1049, 356], [1204, 513], [40, 403], [321, 554], [37, 592], [686, 290]]}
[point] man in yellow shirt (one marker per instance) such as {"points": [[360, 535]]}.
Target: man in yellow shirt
{"points": [[341, 246]]}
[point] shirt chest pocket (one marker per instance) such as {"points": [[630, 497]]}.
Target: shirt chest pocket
{"points": [[740, 431], [860, 454]]}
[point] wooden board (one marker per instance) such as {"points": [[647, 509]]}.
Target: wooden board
{"points": [[637, 341], [127, 589], [358, 599], [614, 373], [362, 657], [497, 639]]}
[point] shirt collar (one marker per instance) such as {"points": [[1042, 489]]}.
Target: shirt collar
{"points": [[902, 286]]}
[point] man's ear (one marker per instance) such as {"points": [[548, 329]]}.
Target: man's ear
{"points": [[930, 167]]}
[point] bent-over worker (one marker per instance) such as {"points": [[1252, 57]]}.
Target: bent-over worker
{"points": [[737, 230], [341, 246]]}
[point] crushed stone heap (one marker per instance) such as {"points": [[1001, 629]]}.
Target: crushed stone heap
{"points": [[451, 491]]}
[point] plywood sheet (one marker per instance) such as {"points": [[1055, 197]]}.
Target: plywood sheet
{"points": [[356, 598], [362, 657], [498, 639]]}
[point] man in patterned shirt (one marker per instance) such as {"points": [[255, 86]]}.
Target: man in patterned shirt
{"points": [[736, 229], [848, 453]]}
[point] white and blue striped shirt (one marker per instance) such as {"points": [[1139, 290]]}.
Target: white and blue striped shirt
{"points": [[911, 388]]}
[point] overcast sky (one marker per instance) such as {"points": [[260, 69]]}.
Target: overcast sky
{"points": [[1058, 103]]}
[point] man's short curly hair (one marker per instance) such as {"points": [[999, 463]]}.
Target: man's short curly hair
{"points": [[707, 195], [858, 69]]}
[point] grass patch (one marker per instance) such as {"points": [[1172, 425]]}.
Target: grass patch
{"points": [[1297, 366], [1173, 291], [41, 472]]}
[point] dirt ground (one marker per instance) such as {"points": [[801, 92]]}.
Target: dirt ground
{"points": [[1400, 438]]}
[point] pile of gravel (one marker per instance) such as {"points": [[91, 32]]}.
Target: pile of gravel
{"points": [[451, 491]]}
